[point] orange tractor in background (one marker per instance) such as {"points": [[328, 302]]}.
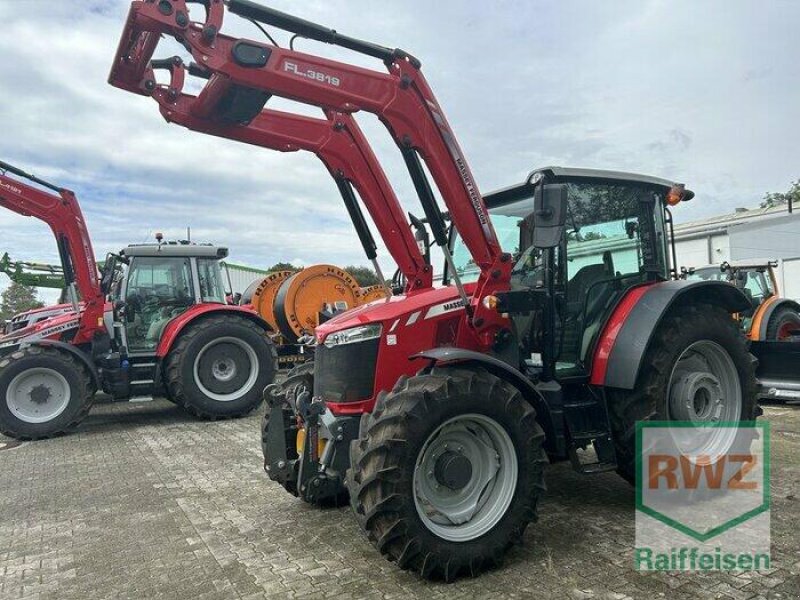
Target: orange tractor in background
{"points": [[772, 317]]}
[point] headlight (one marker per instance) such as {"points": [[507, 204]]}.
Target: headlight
{"points": [[353, 335]]}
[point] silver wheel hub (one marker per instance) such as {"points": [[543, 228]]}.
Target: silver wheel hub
{"points": [[223, 370], [705, 389], [226, 369], [465, 477], [697, 397], [38, 395]]}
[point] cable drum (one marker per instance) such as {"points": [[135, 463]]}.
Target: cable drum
{"points": [[305, 299], [263, 295], [250, 290]]}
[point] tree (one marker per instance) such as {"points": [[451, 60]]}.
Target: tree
{"points": [[364, 275], [18, 298], [281, 266], [777, 198]]}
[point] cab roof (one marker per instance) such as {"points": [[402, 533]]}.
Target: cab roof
{"points": [[525, 189], [176, 249]]}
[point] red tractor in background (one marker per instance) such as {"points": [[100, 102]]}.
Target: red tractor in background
{"points": [[438, 409], [155, 321]]}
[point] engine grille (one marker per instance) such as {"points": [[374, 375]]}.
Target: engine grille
{"points": [[345, 373]]}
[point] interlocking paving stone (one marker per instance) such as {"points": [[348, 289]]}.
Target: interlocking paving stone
{"points": [[144, 501]]}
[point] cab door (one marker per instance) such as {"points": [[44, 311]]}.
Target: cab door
{"points": [[158, 290]]}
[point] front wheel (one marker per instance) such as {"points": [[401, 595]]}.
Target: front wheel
{"points": [[43, 392], [220, 366], [447, 471], [697, 369]]}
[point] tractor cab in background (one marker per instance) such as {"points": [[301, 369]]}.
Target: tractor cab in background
{"points": [[160, 282], [770, 317]]}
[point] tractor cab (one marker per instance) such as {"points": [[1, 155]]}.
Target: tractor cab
{"points": [[613, 237], [161, 281], [756, 279]]}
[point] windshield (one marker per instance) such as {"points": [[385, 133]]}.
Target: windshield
{"points": [[707, 274], [506, 223]]}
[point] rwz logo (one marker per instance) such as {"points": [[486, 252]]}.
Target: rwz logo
{"points": [[680, 471], [702, 495]]}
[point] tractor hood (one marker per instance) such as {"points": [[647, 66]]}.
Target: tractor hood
{"points": [[50, 327], [26, 319], [431, 302]]}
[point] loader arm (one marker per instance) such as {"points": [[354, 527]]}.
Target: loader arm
{"points": [[32, 274], [401, 99], [63, 215], [337, 141]]}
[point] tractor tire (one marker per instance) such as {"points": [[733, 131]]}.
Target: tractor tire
{"points": [[43, 392], [783, 321], [301, 375], [396, 477], [219, 367], [707, 333]]}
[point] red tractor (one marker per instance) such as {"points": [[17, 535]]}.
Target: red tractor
{"points": [[438, 409], [154, 322]]}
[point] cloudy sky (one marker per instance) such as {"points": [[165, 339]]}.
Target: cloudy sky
{"points": [[701, 92]]}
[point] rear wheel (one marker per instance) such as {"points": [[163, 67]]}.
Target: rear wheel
{"points": [[220, 367], [697, 369], [447, 471], [43, 392], [783, 323]]}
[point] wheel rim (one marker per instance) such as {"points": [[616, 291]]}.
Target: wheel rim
{"points": [[465, 477], [786, 330], [704, 389], [38, 395], [226, 368]]}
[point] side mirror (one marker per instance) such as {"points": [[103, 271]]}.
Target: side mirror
{"points": [[421, 237], [107, 274], [549, 215]]}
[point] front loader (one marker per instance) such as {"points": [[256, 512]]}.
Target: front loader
{"points": [[438, 411], [155, 321]]}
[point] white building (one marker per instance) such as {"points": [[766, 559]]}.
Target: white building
{"points": [[242, 276], [760, 233]]}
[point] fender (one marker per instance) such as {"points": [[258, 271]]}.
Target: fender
{"points": [[550, 422], [621, 347], [74, 351], [760, 325], [179, 323]]}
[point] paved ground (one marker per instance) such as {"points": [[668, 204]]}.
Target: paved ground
{"points": [[145, 502]]}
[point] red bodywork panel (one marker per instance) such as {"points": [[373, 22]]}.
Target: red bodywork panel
{"points": [[179, 323], [410, 324], [610, 332], [401, 99], [52, 328], [64, 217]]}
